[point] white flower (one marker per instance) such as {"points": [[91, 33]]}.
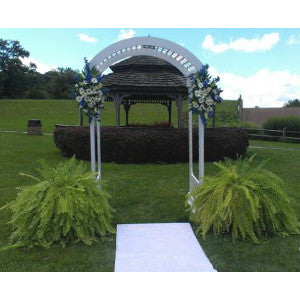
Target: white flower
{"points": [[197, 93], [200, 85], [210, 101], [78, 99], [81, 91], [94, 80]]}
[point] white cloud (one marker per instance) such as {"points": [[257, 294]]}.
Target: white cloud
{"points": [[292, 40], [86, 38], [266, 42], [125, 34], [40, 67], [264, 88]]}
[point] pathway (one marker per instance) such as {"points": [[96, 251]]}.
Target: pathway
{"points": [[159, 247]]}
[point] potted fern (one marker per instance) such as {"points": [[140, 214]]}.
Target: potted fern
{"points": [[64, 206], [250, 203]]}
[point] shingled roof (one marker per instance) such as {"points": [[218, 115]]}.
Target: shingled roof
{"points": [[146, 77]]}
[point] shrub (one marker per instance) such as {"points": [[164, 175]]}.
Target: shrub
{"points": [[65, 206], [291, 123], [248, 125], [155, 124], [250, 203], [151, 145]]}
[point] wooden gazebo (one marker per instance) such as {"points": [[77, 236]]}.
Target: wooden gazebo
{"points": [[146, 79]]}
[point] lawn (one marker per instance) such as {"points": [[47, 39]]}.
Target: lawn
{"points": [[258, 143], [141, 193], [14, 114]]}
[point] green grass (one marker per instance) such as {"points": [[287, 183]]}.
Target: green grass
{"points": [[14, 114], [274, 144], [141, 194]]}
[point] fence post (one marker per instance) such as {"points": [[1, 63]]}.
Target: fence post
{"points": [[283, 134]]}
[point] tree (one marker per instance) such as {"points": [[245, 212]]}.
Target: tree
{"points": [[20, 81], [59, 83], [292, 103], [12, 70]]}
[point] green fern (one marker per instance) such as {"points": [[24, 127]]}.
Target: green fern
{"points": [[250, 203], [65, 206]]}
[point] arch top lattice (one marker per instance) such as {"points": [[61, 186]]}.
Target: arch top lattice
{"points": [[181, 58]]}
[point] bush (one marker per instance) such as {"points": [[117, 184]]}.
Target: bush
{"points": [[250, 203], [155, 124], [248, 125], [291, 123], [64, 207], [151, 145]]}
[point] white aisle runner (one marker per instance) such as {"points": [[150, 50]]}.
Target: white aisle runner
{"points": [[159, 247]]}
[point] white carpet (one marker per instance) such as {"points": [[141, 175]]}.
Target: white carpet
{"points": [[159, 247]]}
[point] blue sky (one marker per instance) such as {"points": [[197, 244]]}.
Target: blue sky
{"points": [[261, 64]]}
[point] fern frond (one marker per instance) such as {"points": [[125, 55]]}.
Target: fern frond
{"points": [[246, 202], [65, 206]]}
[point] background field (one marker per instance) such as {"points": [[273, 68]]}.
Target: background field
{"points": [[141, 193], [14, 114]]}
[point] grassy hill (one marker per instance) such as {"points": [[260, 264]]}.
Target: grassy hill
{"points": [[14, 114]]}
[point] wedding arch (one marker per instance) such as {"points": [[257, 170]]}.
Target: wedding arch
{"points": [[186, 62]]}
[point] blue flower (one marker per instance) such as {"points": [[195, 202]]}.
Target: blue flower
{"points": [[219, 99], [100, 78], [203, 119], [205, 83], [88, 76], [105, 90], [210, 114], [194, 110], [213, 96]]}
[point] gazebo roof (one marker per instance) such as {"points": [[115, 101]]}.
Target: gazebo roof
{"points": [[146, 77]]}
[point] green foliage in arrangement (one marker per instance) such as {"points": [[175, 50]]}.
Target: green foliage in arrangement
{"points": [[65, 206], [291, 123], [249, 202]]}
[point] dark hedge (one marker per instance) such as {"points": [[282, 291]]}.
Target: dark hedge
{"points": [[151, 145]]}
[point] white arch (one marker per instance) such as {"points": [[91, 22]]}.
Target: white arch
{"points": [[181, 58], [178, 56]]}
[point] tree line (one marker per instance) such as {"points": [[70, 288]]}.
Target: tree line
{"points": [[25, 82]]}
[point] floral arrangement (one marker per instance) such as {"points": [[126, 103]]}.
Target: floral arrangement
{"points": [[204, 93], [89, 91]]}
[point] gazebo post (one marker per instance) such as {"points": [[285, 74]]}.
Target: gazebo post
{"points": [[179, 102], [170, 112], [117, 101], [80, 117], [126, 108]]}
